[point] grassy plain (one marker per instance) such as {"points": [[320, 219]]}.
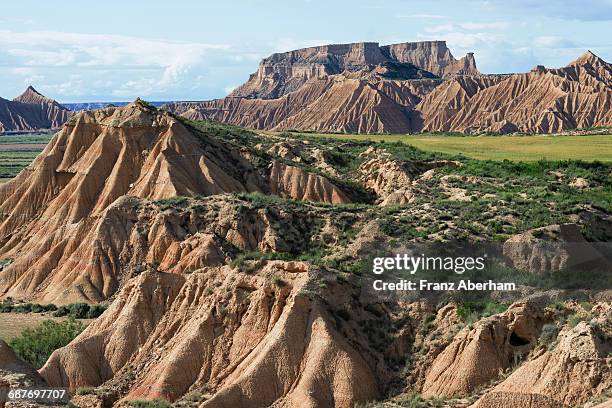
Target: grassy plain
{"points": [[514, 148], [18, 150], [12, 324]]}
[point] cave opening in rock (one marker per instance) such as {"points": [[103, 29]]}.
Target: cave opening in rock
{"points": [[516, 340]]}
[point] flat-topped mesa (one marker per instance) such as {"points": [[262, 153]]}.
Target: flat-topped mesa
{"points": [[406, 93], [282, 73], [332, 56], [433, 56]]}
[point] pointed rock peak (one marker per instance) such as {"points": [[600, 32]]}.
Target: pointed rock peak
{"points": [[30, 89], [31, 95], [540, 69], [588, 57], [141, 104]]}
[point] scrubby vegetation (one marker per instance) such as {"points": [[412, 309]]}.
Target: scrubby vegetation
{"points": [[74, 310], [157, 403], [36, 345], [470, 312]]}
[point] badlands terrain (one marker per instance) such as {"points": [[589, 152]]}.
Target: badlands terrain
{"points": [[236, 265], [31, 111], [407, 88]]}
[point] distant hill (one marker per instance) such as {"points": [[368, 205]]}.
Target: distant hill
{"points": [[81, 106], [410, 87], [31, 111]]}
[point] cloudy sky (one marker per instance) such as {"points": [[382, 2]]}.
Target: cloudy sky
{"points": [[77, 51]]}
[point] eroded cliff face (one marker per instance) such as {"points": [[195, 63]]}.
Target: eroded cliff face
{"points": [[573, 372], [541, 101], [348, 89], [61, 219], [31, 111], [234, 269], [271, 333], [286, 72], [432, 56], [271, 343], [339, 103]]}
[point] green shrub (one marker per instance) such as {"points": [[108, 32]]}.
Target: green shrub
{"points": [[6, 306], [549, 335], [79, 311], [278, 281], [574, 319], [470, 312], [85, 390], [411, 400], [36, 345], [61, 311], [95, 311], [22, 308], [157, 403], [172, 202]]}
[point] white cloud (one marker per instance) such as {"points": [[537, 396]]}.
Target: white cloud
{"points": [[167, 61], [552, 41], [498, 52], [287, 44], [424, 16], [497, 25], [467, 26], [583, 10], [230, 88]]}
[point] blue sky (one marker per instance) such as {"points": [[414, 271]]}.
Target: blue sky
{"points": [[77, 51]]}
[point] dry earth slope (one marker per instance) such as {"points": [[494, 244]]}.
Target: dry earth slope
{"points": [[61, 220], [31, 111], [233, 265], [410, 87]]}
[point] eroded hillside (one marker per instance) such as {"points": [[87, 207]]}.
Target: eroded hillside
{"points": [[236, 265], [31, 111], [410, 87]]}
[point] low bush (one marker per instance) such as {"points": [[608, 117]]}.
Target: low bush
{"points": [[470, 312], [157, 403], [36, 345], [80, 311], [549, 334], [85, 390]]}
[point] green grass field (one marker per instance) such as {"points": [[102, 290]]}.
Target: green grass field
{"points": [[514, 148], [12, 162], [18, 150], [25, 138], [12, 324]]}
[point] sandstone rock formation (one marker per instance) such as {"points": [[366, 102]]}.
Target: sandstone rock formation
{"points": [[477, 356], [541, 101], [553, 248], [432, 56], [292, 182], [235, 276], [286, 72], [357, 87], [364, 88], [253, 339], [339, 103], [576, 371], [74, 194], [31, 111], [16, 372]]}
